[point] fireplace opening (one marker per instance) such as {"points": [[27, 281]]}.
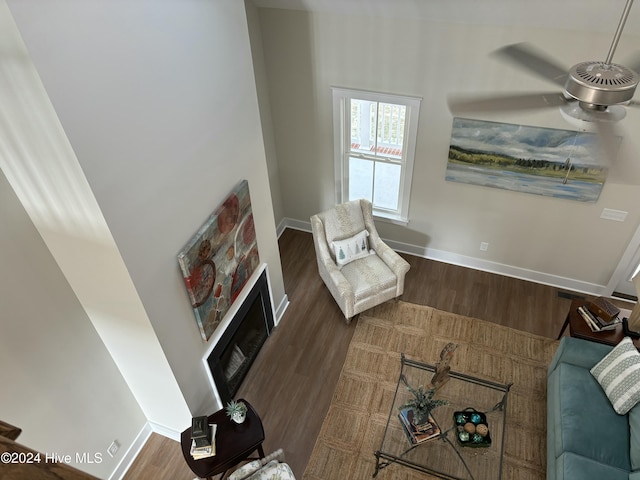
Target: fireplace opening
{"points": [[240, 343]]}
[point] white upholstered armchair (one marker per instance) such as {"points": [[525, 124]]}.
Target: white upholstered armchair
{"points": [[358, 268]]}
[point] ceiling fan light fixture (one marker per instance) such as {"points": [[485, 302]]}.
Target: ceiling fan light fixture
{"points": [[585, 118], [599, 83]]}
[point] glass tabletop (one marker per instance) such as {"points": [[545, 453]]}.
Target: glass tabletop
{"points": [[447, 452]]}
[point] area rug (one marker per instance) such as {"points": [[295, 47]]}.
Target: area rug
{"points": [[355, 423]]}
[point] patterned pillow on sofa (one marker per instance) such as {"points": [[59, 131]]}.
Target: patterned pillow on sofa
{"points": [[618, 373]]}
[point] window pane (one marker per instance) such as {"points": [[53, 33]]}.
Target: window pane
{"points": [[355, 121], [391, 121], [387, 185], [360, 178], [363, 125]]}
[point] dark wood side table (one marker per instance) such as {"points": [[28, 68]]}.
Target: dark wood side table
{"points": [[579, 329], [234, 443]]}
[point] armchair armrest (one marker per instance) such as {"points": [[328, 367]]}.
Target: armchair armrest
{"points": [[338, 285]]}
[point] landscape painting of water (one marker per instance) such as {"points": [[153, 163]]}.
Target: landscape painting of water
{"points": [[542, 161]]}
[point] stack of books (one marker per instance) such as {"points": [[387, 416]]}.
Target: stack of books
{"points": [[203, 438], [417, 433], [600, 315]]}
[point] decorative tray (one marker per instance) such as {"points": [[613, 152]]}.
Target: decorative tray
{"points": [[472, 429]]}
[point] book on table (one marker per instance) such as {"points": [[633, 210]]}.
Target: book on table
{"points": [[595, 322], [204, 449], [417, 433], [604, 309]]}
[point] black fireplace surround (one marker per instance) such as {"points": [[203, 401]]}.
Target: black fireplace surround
{"points": [[240, 343]]}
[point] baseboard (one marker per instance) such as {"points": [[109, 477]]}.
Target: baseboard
{"points": [[284, 304], [132, 452], [475, 263], [294, 224], [141, 439], [165, 431]]}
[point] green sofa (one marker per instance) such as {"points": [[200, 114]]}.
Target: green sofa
{"points": [[586, 438]]}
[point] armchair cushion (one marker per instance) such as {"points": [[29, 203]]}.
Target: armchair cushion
{"points": [[271, 467], [245, 470], [343, 221], [369, 277], [273, 470]]}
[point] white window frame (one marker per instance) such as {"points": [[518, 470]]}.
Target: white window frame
{"points": [[342, 146]]}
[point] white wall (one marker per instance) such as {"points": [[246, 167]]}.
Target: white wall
{"points": [[159, 105], [41, 166], [307, 53], [59, 382]]}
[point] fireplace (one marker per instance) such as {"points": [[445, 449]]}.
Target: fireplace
{"points": [[233, 355]]}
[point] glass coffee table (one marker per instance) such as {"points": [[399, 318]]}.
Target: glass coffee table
{"points": [[448, 455]]}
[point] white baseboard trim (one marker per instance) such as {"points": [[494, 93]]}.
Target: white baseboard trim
{"points": [[475, 263], [294, 224], [284, 304], [134, 450], [131, 453], [165, 431]]}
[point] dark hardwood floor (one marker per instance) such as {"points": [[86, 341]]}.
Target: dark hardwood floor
{"points": [[292, 381]]}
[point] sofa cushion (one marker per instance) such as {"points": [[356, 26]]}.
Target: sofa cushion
{"points": [[351, 248], [619, 375], [570, 465], [582, 414]]}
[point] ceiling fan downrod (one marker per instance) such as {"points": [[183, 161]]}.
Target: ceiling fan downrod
{"points": [[616, 37]]}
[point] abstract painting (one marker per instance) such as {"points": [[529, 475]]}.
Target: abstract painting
{"points": [[542, 161], [219, 259]]}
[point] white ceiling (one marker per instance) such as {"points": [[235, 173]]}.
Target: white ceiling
{"points": [[589, 15]]}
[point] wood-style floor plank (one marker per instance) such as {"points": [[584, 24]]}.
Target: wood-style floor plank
{"points": [[293, 378]]}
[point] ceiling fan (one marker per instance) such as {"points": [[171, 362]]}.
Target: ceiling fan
{"points": [[591, 93]]}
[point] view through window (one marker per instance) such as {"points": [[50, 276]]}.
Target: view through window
{"points": [[375, 145]]}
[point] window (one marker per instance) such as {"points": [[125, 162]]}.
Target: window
{"points": [[375, 140]]}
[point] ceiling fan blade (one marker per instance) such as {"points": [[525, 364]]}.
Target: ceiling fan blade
{"points": [[504, 103], [535, 61]]}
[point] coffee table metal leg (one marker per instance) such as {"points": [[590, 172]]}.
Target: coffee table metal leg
{"points": [[377, 454]]}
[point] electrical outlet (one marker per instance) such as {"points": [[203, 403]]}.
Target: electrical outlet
{"points": [[484, 246], [113, 448]]}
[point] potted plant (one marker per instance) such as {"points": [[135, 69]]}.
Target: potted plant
{"points": [[421, 403], [236, 411]]}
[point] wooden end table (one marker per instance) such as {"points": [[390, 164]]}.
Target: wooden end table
{"points": [[579, 329], [234, 443]]}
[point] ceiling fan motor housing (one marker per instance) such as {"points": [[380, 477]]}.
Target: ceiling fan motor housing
{"points": [[601, 84]]}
